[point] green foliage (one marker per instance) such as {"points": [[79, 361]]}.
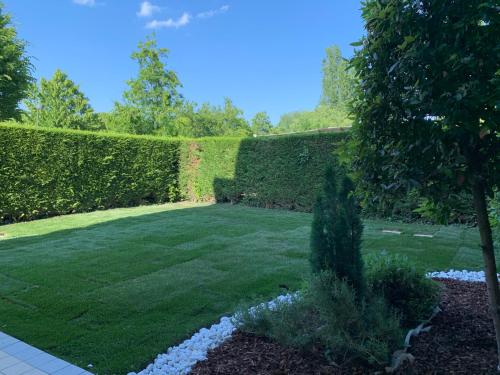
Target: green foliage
{"points": [[15, 69], [427, 114], [457, 208], [261, 124], [327, 316], [226, 120], [338, 91], [494, 215], [151, 99], [413, 295], [52, 172], [336, 232], [280, 172], [338, 80], [321, 117], [59, 103]]}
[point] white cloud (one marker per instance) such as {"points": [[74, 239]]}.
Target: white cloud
{"points": [[180, 22], [88, 3], [213, 12], [147, 9]]}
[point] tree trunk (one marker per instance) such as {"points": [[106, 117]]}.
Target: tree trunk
{"points": [[490, 268]]}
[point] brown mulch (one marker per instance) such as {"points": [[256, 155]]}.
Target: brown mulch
{"points": [[462, 338], [461, 341]]}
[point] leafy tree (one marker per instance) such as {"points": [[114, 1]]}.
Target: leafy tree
{"points": [[15, 69], [261, 123], [59, 103], [226, 120], [338, 80], [153, 94], [123, 119], [336, 232], [428, 109], [321, 117]]}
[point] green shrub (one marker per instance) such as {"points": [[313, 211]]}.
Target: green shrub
{"points": [[336, 232], [274, 172], [494, 215], [45, 172], [328, 316], [408, 291]]}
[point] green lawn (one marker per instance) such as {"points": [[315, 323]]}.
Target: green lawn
{"points": [[114, 288]]}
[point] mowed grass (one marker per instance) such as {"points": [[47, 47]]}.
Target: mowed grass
{"points": [[114, 288]]}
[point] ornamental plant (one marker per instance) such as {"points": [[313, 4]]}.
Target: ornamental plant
{"points": [[427, 111], [336, 232]]}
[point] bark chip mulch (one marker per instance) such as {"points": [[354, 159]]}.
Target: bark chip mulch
{"points": [[462, 338], [461, 341]]}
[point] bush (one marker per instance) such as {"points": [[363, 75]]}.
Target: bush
{"points": [[327, 315], [273, 172], [336, 232], [408, 291], [46, 172]]}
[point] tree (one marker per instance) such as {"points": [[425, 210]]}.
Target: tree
{"points": [[336, 232], [321, 117], [428, 110], [338, 80], [224, 120], [15, 69], [59, 103], [153, 94], [261, 123]]}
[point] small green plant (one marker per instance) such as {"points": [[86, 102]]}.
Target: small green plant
{"points": [[405, 289], [494, 216], [336, 232], [328, 315]]}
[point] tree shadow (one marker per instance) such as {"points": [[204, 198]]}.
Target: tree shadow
{"points": [[279, 172]]}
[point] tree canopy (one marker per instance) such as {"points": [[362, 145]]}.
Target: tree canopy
{"points": [[427, 114], [152, 97], [15, 69], [261, 123], [59, 103], [338, 80]]}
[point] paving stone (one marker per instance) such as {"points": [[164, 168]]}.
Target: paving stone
{"points": [[7, 341], [35, 372], [70, 370], [16, 348], [27, 353], [17, 369], [53, 366], [40, 359], [8, 361], [19, 358]]}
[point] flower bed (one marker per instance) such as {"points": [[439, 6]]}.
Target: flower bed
{"points": [[214, 350]]}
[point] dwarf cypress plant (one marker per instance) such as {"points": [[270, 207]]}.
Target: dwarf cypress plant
{"points": [[336, 232]]}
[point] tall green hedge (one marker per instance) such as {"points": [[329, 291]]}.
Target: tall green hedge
{"points": [[46, 172], [278, 172], [50, 172]]}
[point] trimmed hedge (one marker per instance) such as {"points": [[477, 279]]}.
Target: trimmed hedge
{"points": [[46, 172], [278, 172]]}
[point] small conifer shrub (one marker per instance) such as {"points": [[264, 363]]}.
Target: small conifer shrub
{"points": [[336, 232]]}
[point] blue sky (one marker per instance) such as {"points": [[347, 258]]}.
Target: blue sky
{"points": [[265, 55]]}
